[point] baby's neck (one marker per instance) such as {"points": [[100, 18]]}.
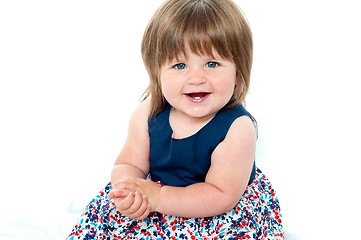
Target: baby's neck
{"points": [[184, 126]]}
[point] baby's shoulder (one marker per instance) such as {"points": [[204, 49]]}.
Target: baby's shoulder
{"points": [[142, 110], [139, 118]]}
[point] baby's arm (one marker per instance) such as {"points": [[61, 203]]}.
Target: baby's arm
{"points": [[132, 162], [226, 180]]}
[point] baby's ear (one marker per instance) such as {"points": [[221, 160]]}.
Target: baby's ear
{"points": [[238, 79]]}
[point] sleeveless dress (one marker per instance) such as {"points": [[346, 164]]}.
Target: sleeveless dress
{"points": [[181, 162]]}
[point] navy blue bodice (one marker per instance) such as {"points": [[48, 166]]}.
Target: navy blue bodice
{"points": [[181, 162]]}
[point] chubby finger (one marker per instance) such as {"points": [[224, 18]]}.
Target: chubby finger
{"points": [[141, 212], [111, 195], [120, 193], [117, 193], [136, 204], [126, 203], [144, 209]]}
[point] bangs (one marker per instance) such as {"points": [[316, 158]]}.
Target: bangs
{"points": [[201, 28]]}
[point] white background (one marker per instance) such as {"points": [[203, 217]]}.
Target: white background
{"points": [[71, 74]]}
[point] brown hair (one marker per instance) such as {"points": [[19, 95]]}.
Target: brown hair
{"points": [[203, 25]]}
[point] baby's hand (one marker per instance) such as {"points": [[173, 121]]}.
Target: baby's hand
{"points": [[146, 188], [130, 204], [117, 193]]}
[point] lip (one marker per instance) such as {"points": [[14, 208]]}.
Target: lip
{"points": [[197, 97]]}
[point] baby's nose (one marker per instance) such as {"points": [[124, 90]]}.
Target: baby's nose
{"points": [[196, 77]]}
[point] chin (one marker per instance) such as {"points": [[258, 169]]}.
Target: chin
{"points": [[201, 113]]}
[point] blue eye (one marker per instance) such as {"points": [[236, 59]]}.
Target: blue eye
{"points": [[212, 64], [180, 66]]}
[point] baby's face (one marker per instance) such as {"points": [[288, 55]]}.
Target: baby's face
{"points": [[198, 86]]}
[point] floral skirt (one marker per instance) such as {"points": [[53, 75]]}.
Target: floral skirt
{"points": [[256, 216]]}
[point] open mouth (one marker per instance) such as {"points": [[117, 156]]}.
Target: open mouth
{"points": [[197, 96]]}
